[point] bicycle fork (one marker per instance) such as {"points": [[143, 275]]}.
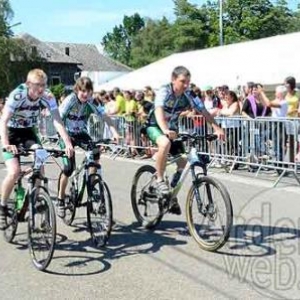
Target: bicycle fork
{"points": [[203, 209]]}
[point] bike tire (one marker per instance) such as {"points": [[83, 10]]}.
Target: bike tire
{"points": [[10, 231], [194, 229], [140, 201], [38, 225], [99, 210], [70, 202]]}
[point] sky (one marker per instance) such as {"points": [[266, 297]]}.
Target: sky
{"points": [[84, 21], [79, 21]]}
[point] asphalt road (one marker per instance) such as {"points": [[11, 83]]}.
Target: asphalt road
{"points": [[261, 259]]}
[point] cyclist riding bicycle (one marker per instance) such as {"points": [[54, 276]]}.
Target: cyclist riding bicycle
{"points": [[19, 126], [162, 125], [75, 112]]}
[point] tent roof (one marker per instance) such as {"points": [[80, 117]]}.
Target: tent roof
{"points": [[267, 61]]}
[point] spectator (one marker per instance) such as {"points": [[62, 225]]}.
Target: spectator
{"points": [[231, 126], [211, 101], [293, 107], [253, 107], [279, 110], [131, 111]]}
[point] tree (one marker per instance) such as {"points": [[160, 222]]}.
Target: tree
{"points": [[191, 28], [137, 42], [117, 44], [255, 19], [6, 15], [16, 58], [153, 42]]}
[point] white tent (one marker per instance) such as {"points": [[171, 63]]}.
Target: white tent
{"points": [[267, 61]]}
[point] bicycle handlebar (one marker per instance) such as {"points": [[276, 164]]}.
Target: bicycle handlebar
{"points": [[27, 151]]}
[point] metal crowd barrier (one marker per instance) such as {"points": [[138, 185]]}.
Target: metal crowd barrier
{"points": [[47, 130], [256, 144]]}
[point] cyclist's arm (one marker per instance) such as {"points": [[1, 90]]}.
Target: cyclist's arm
{"points": [[15, 99], [159, 110], [49, 101], [198, 105], [160, 119], [5, 117], [58, 124], [100, 112]]}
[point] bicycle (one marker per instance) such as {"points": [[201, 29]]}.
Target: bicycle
{"points": [[38, 204], [200, 201], [99, 203]]}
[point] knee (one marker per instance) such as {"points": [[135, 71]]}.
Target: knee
{"points": [[13, 173], [163, 143], [68, 170]]}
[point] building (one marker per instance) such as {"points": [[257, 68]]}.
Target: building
{"points": [[63, 61]]}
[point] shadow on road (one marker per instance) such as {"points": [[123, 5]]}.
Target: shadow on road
{"points": [[258, 240]]}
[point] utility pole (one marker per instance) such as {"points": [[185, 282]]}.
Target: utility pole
{"points": [[221, 22]]}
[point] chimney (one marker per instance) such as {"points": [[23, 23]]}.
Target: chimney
{"points": [[67, 51]]}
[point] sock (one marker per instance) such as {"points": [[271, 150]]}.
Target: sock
{"points": [[3, 203]]}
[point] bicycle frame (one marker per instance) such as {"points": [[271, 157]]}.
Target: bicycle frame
{"points": [[86, 163], [189, 168]]}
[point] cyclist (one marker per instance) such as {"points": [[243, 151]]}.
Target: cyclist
{"points": [[162, 125], [75, 112], [18, 126]]}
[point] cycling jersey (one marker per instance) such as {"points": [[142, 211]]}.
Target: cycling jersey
{"points": [[26, 111], [173, 106], [75, 114]]}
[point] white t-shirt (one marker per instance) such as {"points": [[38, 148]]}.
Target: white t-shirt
{"points": [[280, 112]]}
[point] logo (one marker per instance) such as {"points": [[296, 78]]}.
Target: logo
{"points": [[264, 246]]}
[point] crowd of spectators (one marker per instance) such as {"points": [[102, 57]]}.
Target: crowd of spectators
{"points": [[248, 102]]}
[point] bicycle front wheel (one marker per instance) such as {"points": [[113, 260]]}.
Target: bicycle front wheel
{"points": [[209, 213], [9, 232], [41, 228], [99, 210]]}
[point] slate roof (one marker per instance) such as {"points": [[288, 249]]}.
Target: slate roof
{"points": [[90, 57], [86, 56], [48, 52]]}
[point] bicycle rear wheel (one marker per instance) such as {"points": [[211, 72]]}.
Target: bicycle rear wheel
{"points": [[9, 232], [99, 210], [41, 228], [209, 220], [144, 201]]}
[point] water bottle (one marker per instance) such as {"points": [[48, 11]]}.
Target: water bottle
{"points": [[176, 178], [20, 196], [193, 157]]}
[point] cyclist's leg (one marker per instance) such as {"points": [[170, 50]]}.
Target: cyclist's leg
{"points": [[83, 136], [177, 148], [163, 144], [69, 166], [15, 137]]}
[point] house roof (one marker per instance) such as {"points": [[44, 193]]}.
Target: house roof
{"points": [[48, 52], [90, 57]]}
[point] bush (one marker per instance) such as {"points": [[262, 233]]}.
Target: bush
{"points": [[58, 90]]}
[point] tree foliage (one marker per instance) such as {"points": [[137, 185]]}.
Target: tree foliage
{"points": [[197, 27], [16, 58], [118, 43]]}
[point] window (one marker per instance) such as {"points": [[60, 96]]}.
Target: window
{"points": [[55, 80], [67, 51]]}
